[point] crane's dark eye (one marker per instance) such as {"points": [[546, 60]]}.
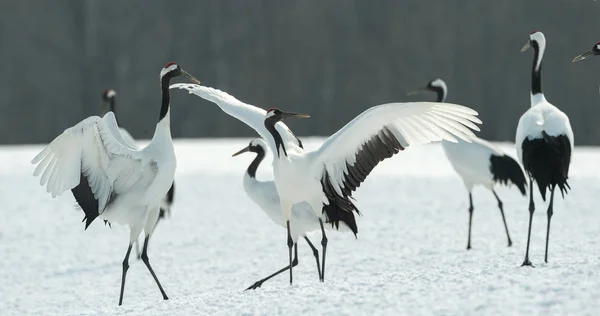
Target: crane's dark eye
{"points": [[596, 48]]}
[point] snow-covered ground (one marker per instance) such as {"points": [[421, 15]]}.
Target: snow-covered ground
{"points": [[409, 257]]}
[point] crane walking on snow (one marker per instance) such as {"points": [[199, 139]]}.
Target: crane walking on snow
{"points": [[327, 177], [264, 194], [111, 179], [479, 162], [544, 141], [109, 104]]}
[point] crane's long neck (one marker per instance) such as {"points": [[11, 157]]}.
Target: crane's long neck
{"points": [[111, 107], [536, 72], [270, 126], [163, 127], [441, 94], [260, 155]]}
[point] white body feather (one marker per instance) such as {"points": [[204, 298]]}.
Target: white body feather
{"points": [[132, 180], [298, 175], [264, 194], [542, 116]]}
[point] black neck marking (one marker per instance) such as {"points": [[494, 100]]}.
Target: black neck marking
{"points": [[270, 126], [260, 155], [441, 94], [166, 97], [536, 74], [111, 104]]}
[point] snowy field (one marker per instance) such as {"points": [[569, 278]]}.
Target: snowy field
{"points": [[409, 257]]}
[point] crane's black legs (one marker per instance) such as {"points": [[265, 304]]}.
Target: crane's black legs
{"points": [[526, 262], [125, 268], [550, 212], [258, 283], [145, 260], [324, 245], [290, 243], [316, 254], [503, 218], [137, 250], [470, 219]]}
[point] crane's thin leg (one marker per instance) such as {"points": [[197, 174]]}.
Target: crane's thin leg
{"points": [[550, 212], [316, 254], [258, 283], [137, 250], [526, 262], [470, 220], [145, 260], [125, 268], [324, 245], [290, 243], [503, 218]]}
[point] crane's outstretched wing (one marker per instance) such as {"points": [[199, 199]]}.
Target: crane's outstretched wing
{"points": [[249, 114], [127, 138], [93, 161], [348, 156]]}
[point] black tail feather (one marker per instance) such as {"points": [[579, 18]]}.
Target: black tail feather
{"points": [[547, 160], [86, 200], [505, 169]]}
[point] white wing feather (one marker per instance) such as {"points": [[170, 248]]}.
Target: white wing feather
{"points": [[412, 123], [95, 148], [249, 114]]}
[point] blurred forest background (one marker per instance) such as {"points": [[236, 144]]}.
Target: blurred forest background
{"points": [[331, 59]]}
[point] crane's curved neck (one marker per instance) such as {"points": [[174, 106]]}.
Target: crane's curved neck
{"points": [[260, 155], [111, 103], [270, 126], [111, 107], [536, 71], [162, 132], [441, 94]]}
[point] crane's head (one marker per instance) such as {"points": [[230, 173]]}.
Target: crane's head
{"points": [[592, 52], [108, 95], [108, 101], [537, 40], [172, 70], [436, 85], [256, 145], [276, 115]]}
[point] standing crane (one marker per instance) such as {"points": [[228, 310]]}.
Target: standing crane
{"points": [[264, 194], [544, 141], [479, 162], [109, 104], [329, 175], [111, 179]]}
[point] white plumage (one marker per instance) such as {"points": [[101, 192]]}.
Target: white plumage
{"points": [[109, 177], [479, 162], [264, 194], [544, 141], [326, 178], [109, 105]]}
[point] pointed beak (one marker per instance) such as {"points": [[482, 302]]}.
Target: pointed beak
{"points": [[409, 93], [526, 46], [189, 77], [295, 115], [583, 56], [247, 149]]}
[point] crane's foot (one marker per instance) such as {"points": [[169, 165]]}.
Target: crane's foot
{"points": [[510, 243], [527, 263], [255, 285]]}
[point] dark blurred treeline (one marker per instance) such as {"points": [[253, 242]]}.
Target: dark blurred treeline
{"points": [[332, 59]]}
